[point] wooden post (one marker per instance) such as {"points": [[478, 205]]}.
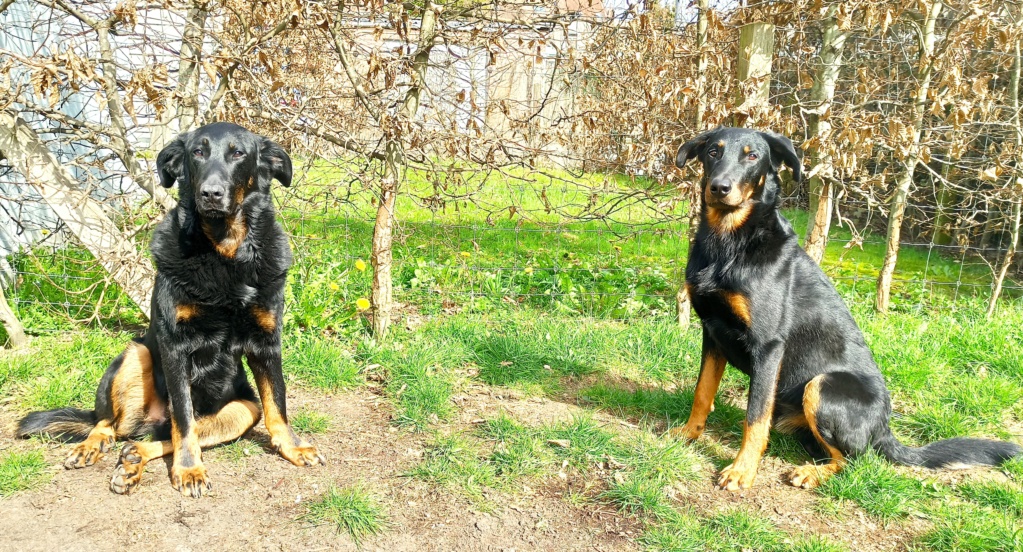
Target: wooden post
{"points": [[756, 50]]}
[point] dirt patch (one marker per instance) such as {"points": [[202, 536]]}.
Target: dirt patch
{"points": [[257, 500]]}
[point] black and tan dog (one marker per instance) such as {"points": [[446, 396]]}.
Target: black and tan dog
{"points": [[768, 310], [221, 260]]}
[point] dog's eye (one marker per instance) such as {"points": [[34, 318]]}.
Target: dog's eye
{"points": [[714, 152], [197, 152], [752, 157], [238, 154]]}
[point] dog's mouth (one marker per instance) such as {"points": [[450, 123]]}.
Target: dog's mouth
{"points": [[213, 211], [727, 203]]}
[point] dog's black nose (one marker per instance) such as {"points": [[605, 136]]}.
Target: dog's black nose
{"points": [[720, 187], [213, 191]]}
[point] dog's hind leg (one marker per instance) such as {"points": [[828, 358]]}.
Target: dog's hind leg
{"points": [[824, 419], [230, 423], [125, 396]]}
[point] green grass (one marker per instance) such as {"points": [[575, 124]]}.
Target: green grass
{"points": [[578, 312], [419, 378], [321, 363], [457, 463], [236, 452], [999, 497], [874, 484], [310, 422], [352, 510], [960, 529], [22, 471], [66, 375]]}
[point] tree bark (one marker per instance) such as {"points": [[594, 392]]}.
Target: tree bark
{"points": [[186, 94], [86, 219], [821, 191], [683, 305], [15, 331], [1015, 183], [898, 206], [390, 185]]}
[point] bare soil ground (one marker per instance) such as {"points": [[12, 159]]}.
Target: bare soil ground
{"points": [[258, 499]]}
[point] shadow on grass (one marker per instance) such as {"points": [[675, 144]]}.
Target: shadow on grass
{"points": [[512, 361], [652, 404]]}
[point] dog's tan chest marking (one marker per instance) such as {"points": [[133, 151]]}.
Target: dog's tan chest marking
{"points": [[234, 235], [739, 305]]}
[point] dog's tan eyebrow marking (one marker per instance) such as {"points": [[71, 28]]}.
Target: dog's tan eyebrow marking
{"points": [[745, 149], [721, 143], [230, 145]]}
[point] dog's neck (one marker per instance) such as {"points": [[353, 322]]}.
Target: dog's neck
{"points": [[753, 223], [226, 234]]}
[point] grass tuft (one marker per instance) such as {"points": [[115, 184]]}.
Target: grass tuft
{"points": [[455, 462], [320, 363], [310, 422], [352, 509], [22, 471]]}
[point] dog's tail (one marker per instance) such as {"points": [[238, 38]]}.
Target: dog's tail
{"points": [[66, 424], [961, 452]]}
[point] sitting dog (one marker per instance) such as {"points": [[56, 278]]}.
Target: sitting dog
{"points": [[768, 310], [221, 260]]}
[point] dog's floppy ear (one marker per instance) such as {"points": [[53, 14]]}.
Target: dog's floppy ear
{"points": [[693, 147], [170, 163], [274, 159], [783, 151]]}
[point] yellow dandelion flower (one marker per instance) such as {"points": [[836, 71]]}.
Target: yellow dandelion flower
{"points": [[465, 254], [360, 265], [362, 304], [334, 286], [528, 270]]}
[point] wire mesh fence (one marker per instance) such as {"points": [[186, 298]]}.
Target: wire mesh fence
{"points": [[532, 146]]}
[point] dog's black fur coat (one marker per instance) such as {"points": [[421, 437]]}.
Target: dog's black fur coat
{"points": [[768, 309], [222, 260]]}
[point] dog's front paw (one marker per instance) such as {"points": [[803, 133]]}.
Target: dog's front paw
{"points": [[302, 455], [689, 432], [191, 481], [735, 478]]}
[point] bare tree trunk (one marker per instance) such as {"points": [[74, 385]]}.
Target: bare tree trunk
{"points": [[898, 206], [390, 185], [683, 305], [186, 95], [822, 194], [945, 199], [15, 331], [1017, 188], [86, 219], [142, 177]]}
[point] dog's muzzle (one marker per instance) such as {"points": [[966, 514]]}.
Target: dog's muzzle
{"points": [[213, 199]]}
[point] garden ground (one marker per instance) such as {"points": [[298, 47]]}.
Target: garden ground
{"points": [[519, 404]]}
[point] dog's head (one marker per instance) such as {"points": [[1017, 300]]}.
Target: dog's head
{"points": [[220, 166], [738, 163]]}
